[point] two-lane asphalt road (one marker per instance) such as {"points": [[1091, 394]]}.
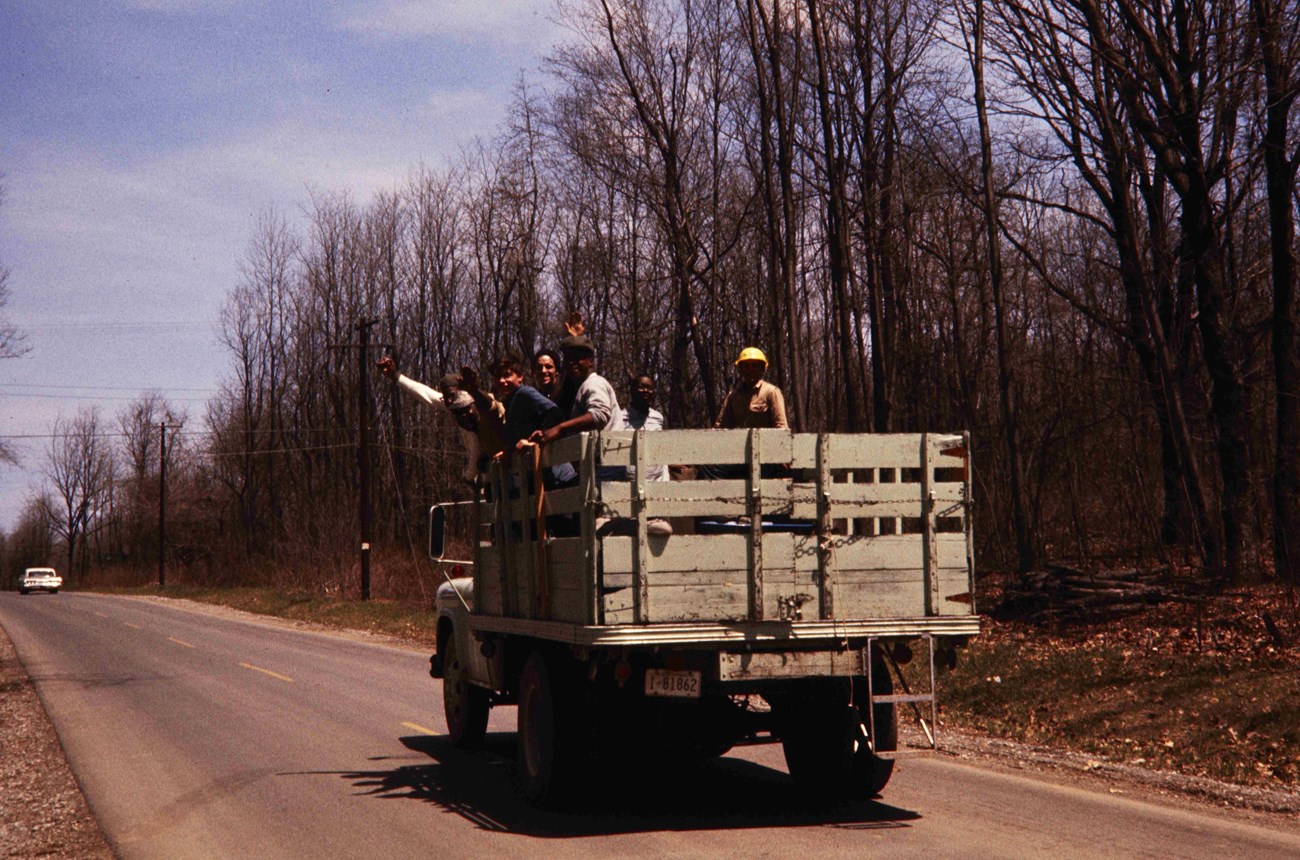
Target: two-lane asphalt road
{"points": [[202, 734]]}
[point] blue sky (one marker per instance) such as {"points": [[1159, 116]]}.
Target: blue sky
{"points": [[141, 139]]}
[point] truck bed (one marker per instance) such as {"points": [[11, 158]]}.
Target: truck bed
{"points": [[809, 537]]}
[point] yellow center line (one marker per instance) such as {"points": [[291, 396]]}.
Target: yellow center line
{"points": [[267, 672], [180, 642], [132, 626], [419, 728]]}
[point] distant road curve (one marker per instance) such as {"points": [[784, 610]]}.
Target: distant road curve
{"points": [[214, 734]]}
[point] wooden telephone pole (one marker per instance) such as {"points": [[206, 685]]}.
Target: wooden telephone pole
{"points": [[162, 502], [363, 448], [365, 512]]}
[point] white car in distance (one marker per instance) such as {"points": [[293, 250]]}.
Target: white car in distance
{"points": [[39, 579]]}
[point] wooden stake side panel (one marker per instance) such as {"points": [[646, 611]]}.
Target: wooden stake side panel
{"points": [[703, 577], [797, 450], [893, 506], [728, 499], [566, 596]]}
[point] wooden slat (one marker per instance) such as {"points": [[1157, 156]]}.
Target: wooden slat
{"points": [[726, 552], [500, 534], [729, 447], [716, 447], [569, 585], [754, 509], [564, 501], [567, 450], [587, 519], [929, 554], [787, 664], [825, 548], [641, 591], [955, 582], [811, 633], [725, 498]]}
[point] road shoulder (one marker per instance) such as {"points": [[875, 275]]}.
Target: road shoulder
{"points": [[44, 813], [1263, 805]]}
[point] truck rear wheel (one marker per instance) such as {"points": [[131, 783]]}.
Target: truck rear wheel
{"points": [[550, 730], [871, 773], [824, 738], [465, 705], [818, 740]]}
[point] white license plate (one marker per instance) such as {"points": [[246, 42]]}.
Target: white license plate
{"points": [[669, 682]]}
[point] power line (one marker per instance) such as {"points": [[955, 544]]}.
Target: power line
{"points": [[113, 326], [118, 434], [94, 397], [143, 389]]}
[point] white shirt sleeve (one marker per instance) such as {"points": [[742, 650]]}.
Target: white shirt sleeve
{"points": [[420, 390]]}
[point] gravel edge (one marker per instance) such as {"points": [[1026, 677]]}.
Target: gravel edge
{"points": [[44, 813], [1117, 777]]}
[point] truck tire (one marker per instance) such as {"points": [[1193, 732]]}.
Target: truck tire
{"points": [[824, 738], [550, 731], [870, 772], [464, 704], [817, 737]]}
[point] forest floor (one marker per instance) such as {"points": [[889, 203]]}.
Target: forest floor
{"points": [[1207, 688]]}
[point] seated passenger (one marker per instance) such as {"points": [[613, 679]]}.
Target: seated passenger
{"points": [[641, 415], [479, 437], [546, 373], [752, 401], [595, 405], [527, 412]]}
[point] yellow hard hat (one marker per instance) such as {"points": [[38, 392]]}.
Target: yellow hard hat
{"points": [[752, 353]]}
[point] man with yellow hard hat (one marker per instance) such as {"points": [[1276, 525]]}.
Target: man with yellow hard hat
{"points": [[753, 401]]}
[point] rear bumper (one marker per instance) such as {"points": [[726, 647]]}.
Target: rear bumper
{"points": [[41, 585]]}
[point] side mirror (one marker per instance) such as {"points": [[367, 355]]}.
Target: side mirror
{"points": [[437, 525]]}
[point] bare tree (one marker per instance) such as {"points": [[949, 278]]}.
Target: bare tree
{"points": [[1278, 37], [1179, 63], [1063, 84], [79, 466], [1026, 551], [31, 543], [12, 342], [647, 59], [834, 167], [775, 40]]}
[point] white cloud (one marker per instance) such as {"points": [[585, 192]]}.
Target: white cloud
{"points": [[174, 6], [175, 215], [523, 22]]}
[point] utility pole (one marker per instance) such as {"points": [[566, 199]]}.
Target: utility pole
{"points": [[362, 347], [162, 503], [363, 448]]}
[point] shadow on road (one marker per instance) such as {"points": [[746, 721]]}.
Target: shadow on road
{"points": [[726, 793]]}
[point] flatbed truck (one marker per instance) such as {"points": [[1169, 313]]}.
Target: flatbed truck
{"points": [[799, 577]]}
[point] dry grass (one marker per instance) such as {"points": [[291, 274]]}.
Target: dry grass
{"points": [[389, 617], [1204, 689]]}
